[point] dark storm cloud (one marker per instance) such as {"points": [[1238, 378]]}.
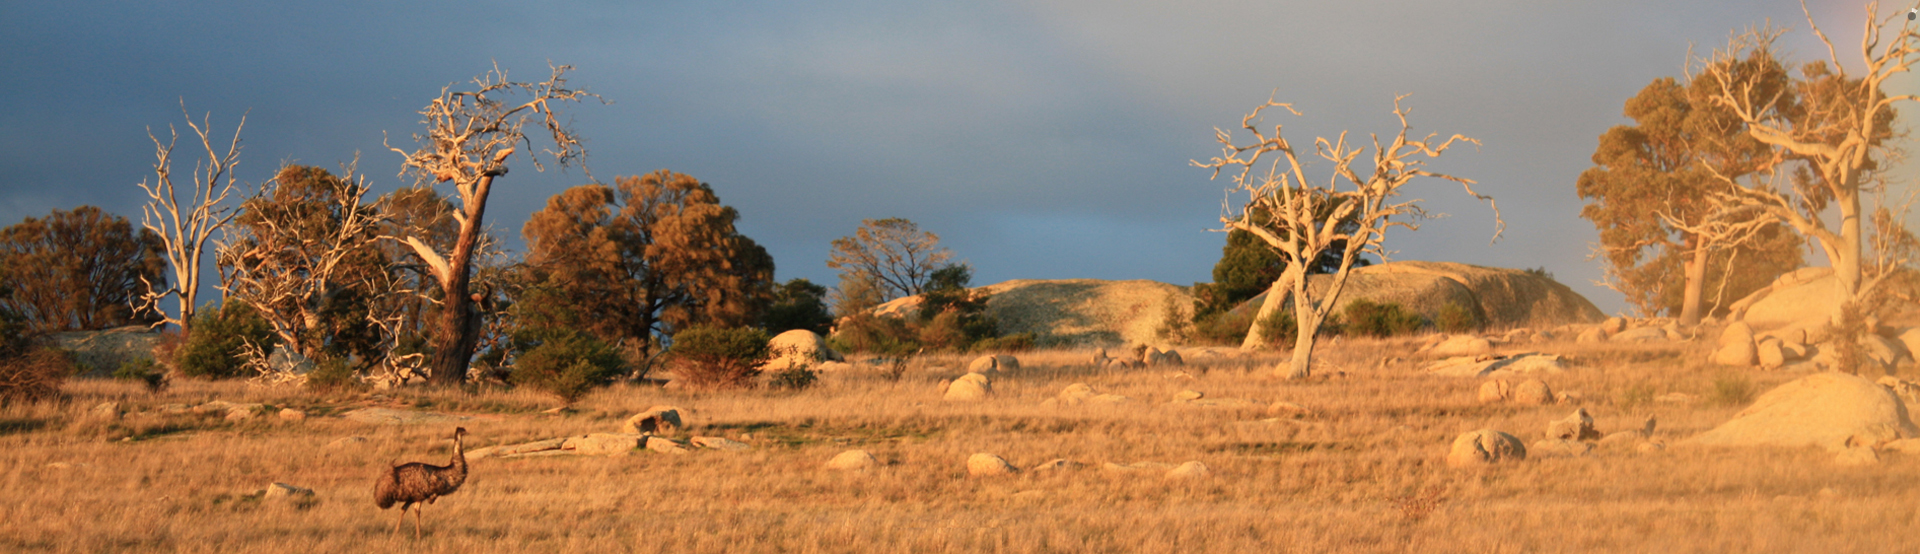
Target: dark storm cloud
{"points": [[1040, 140]]}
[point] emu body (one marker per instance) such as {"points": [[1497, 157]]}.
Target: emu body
{"points": [[416, 484]]}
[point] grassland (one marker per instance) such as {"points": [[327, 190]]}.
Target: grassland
{"points": [[1364, 472]]}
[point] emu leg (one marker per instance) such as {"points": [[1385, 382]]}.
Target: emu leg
{"points": [[403, 519], [417, 509]]}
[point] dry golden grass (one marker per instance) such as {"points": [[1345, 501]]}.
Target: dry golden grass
{"points": [[1363, 473]]}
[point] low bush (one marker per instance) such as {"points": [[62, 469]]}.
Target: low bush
{"points": [[1731, 390], [1455, 318], [1280, 329], [865, 332], [213, 348], [333, 374], [1222, 328], [1365, 317], [710, 358], [566, 363], [144, 371]]}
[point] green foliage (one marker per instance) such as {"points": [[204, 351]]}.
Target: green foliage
{"points": [[796, 377], [332, 374], [1223, 328], [798, 304], [951, 316], [1176, 327], [709, 358], [79, 270], [1541, 272], [144, 371], [566, 363], [865, 332], [1248, 266], [213, 350], [1455, 318], [892, 255], [1364, 317], [1731, 390], [1280, 329], [305, 254]]}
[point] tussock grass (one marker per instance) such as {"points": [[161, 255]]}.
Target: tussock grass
{"points": [[1363, 473]]}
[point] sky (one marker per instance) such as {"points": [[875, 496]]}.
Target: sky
{"points": [[1039, 140]]}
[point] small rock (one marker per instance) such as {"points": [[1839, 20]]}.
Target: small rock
{"points": [[1770, 354], [1461, 345], [661, 420], [1108, 400], [602, 444], [1058, 464], [290, 414], [1135, 468], [852, 460], [968, 388], [1167, 358], [1649, 447], [520, 449], [718, 443], [1575, 427], [1592, 334], [1075, 394], [1485, 446], [1497, 390], [984, 464], [1903, 446], [1614, 325], [983, 364], [1736, 346], [284, 491], [241, 413], [1621, 439], [105, 411], [1533, 392], [1643, 334], [1007, 362], [1189, 470], [665, 445], [1188, 396]]}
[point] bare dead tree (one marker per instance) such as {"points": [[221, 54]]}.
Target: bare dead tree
{"points": [[1832, 125], [1307, 219], [468, 138], [186, 229]]}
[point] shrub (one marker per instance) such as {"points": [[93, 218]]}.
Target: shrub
{"points": [[944, 332], [1176, 327], [708, 358], [1280, 329], [29, 369], [566, 363], [795, 378], [1731, 390], [865, 332], [144, 371], [333, 373], [1364, 317], [1218, 328], [1455, 318], [213, 349]]}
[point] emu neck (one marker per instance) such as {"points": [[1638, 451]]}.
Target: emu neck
{"points": [[457, 469]]}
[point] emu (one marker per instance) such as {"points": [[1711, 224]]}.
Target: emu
{"points": [[417, 484]]}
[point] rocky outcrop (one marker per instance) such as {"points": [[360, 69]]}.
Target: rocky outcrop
{"points": [[1485, 446], [1072, 311], [1829, 410], [1498, 297]]}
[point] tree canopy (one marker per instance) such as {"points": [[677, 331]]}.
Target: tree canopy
{"points": [[893, 254], [642, 259], [79, 270]]}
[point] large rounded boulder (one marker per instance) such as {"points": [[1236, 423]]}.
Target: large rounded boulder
{"points": [[799, 347], [1497, 297], [1828, 410]]}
